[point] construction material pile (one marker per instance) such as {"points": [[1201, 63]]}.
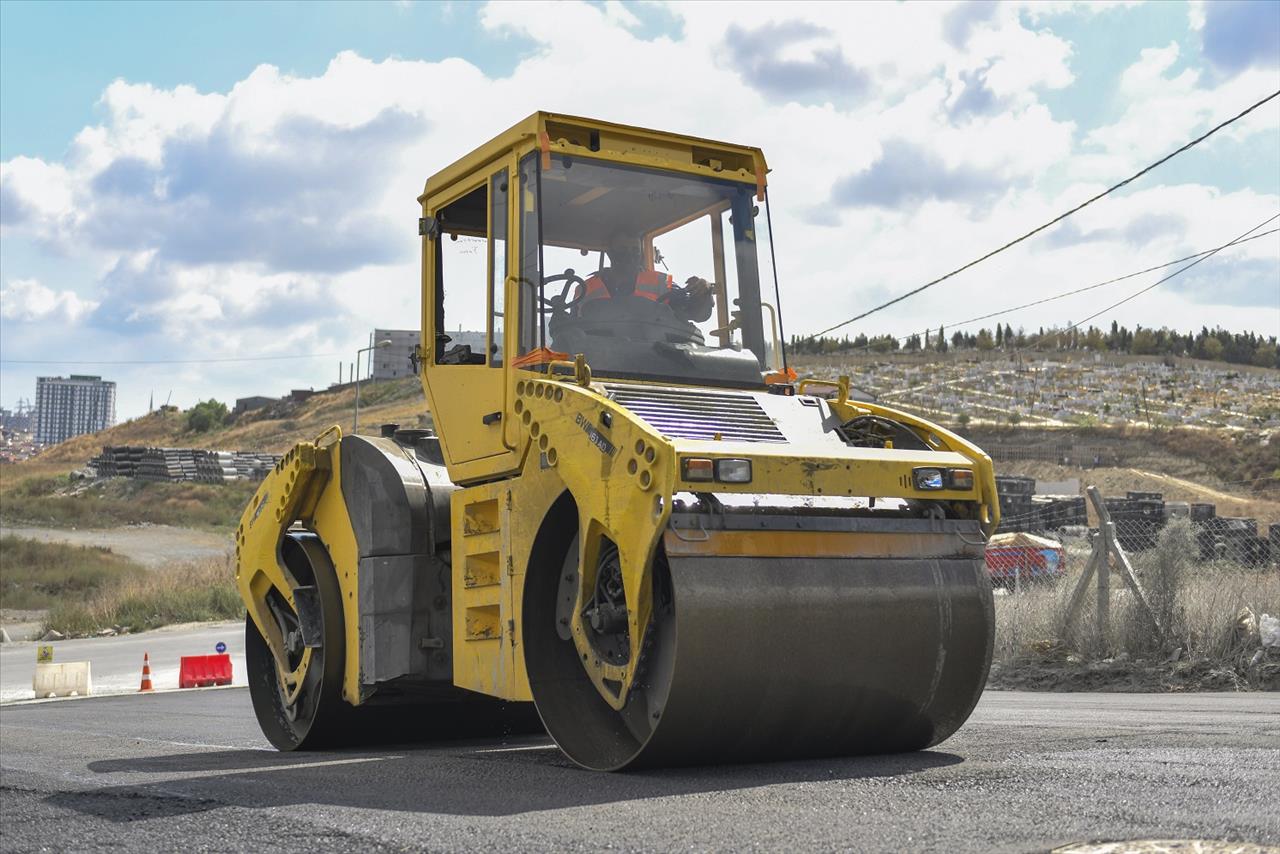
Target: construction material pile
{"points": [[181, 464], [1139, 519], [1021, 510]]}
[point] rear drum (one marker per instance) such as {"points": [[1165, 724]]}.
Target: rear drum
{"points": [[315, 719]]}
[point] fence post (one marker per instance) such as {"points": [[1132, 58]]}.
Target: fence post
{"points": [[1107, 528], [1099, 553], [1106, 532]]}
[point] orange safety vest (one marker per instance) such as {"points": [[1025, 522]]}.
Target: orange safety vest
{"points": [[650, 284]]}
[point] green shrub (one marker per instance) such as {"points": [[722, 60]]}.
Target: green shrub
{"points": [[206, 415]]}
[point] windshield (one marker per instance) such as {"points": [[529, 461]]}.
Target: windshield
{"points": [[648, 273]]}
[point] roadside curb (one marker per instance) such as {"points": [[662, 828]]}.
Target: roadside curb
{"points": [[107, 696]]}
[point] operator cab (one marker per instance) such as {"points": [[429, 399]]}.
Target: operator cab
{"points": [[647, 253], [616, 245]]}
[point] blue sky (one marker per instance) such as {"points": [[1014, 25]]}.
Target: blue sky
{"points": [[162, 165], [210, 46]]}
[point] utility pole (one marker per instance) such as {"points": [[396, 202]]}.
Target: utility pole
{"points": [[385, 342]]}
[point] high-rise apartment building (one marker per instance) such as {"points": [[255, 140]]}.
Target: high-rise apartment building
{"points": [[71, 406]]}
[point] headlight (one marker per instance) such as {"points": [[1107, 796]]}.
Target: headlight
{"points": [[927, 478], [932, 479], [733, 471], [703, 470]]}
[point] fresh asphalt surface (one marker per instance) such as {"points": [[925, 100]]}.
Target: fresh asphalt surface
{"points": [[1030, 771]]}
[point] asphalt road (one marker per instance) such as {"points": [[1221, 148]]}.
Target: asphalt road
{"points": [[116, 662], [189, 770]]}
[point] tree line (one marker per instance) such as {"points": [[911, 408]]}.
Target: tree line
{"points": [[1217, 345]]}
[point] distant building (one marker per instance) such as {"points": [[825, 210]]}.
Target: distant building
{"points": [[246, 404], [392, 362], [73, 406]]}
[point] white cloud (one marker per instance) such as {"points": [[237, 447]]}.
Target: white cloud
{"points": [[28, 300], [620, 14], [1163, 108], [36, 195], [1195, 14]]}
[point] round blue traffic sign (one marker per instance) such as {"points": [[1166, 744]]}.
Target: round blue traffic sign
{"points": [[220, 648]]}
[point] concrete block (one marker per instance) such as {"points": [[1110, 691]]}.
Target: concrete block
{"points": [[70, 678]]}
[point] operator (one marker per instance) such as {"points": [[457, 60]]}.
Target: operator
{"points": [[627, 275]]}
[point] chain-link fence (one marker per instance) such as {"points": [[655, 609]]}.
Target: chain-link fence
{"points": [[1140, 518], [1133, 576]]}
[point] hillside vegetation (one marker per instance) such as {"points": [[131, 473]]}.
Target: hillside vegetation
{"points": [[1244, 464], [183, 593], [59, 502], [41, 491], [43, 575], [275, 428], [1218, 345]]}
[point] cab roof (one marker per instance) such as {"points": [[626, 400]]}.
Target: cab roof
{"points": [[557, 132]]}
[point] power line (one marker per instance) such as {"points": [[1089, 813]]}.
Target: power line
{"points": [[1075, 291], [165, 361], [1055, 220], [1176, 272], [1199, 257]]}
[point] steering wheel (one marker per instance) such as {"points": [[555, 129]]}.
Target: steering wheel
{"points": [[562, 302]]}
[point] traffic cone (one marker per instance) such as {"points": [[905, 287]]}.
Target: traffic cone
{"points": [[146, 673]]}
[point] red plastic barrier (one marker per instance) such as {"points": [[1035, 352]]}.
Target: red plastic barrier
{"points": [[201, 671]]}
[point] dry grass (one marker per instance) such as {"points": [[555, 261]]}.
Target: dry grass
{"points": [[1200, 602], [87, 588], [186, 593], [57, 502], [35, 575]]}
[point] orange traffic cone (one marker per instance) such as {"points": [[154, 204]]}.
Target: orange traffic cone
{"points": [[146, 673]]}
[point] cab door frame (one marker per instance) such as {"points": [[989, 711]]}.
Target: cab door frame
{"points": [[462, 394]]}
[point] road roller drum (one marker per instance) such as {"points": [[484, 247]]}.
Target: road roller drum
{"points": [[780, 657]]}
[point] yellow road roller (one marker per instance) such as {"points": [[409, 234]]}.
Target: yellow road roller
{"points": [[629, 515]]}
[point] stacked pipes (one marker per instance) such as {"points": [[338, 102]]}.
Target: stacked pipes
{"points": [[181, 464]]}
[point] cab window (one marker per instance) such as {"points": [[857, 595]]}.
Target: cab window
{"points": [[462, 279], [498, 187]]}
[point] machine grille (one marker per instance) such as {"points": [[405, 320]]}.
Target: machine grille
{"points": [[699, 414]]}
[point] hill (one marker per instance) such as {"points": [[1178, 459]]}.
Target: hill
{"points": [[40, 491], [273, 429]]}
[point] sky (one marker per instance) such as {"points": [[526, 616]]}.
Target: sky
{"points": [[199, 181]]}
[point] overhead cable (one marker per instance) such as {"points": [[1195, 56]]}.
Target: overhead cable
{"points": [[1086, 288], [1053, 221], [1176, 272]]}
